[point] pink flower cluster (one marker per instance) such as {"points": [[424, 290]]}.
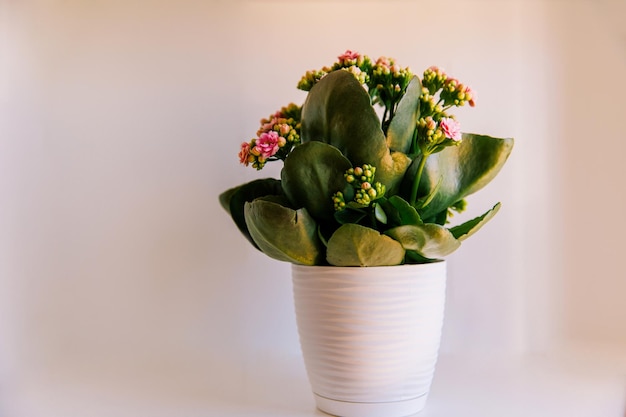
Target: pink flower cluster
{"points": [[349, 58], [387, 65], [261, 148], [451, 128], [275, 132], [268, 144]]}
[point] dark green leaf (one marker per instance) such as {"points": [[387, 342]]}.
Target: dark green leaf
{"points": [[407, 213], [462, 170], [440, 218], [338, 111], [424, 201], [413, 257], [349, 215], [234, 200], [403, 124], [312, 173], [465, 230]]}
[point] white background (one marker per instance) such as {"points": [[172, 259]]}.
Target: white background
{"points": [[120, 123]]}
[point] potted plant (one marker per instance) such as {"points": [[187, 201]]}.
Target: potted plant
{"points": [[374, 167]]}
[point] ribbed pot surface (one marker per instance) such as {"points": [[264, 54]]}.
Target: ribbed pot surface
{"points": [[370, 336]]}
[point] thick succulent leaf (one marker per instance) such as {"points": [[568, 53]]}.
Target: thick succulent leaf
{"points": [[429, 240], [356, 245], [349, 215], [404, 122], [234, 200], [462, 170], [226, 197], [440, 218], [283, 233], [465, 230], [338, 111], [413, 257], [312, 173], [400, 212], [380, 214]]}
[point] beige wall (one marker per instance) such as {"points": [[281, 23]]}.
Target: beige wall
{"points": [[593, 172], [120, 126]]}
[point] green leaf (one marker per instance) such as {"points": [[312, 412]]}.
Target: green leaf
{"points": [[234, 200], [429, 240], [399, 211], [380, 214], [312, 173], [462, 170], [424, 201], [283, 233], [356, 245], [349, 215], [413, 257], [465, 230], [338, 111], [406, 212], [404, 122], [440, 218]]}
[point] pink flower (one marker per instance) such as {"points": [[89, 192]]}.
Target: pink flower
{"points": [[383, 61], [349, 56], [284, 129], [451, 128], [267, 144], [244, 153]]}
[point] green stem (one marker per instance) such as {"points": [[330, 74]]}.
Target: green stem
{"points": [[418, 178], [414, 146]]}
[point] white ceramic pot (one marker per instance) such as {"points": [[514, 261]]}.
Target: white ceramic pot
{"points": [[370, 336]]}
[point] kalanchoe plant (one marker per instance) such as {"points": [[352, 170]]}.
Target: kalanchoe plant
{"points": [[357, 189]]}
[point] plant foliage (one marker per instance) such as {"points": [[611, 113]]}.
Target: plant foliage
{"points": [[360, 190]]}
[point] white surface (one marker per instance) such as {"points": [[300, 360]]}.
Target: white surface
{"points": [[464, 386]]}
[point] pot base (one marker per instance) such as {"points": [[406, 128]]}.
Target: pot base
{"points": [[387, 409]]}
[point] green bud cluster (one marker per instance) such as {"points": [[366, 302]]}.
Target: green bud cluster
{"points": [[428, 105], [359, 175], [429, 132], [388, 82], [433, 79], [360, 75], [454, 93], [361, 179], [368, 193], [439, 93], [339, 202], [310, 78]]}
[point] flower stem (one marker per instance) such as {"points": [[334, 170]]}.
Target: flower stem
{"points": [[418, 178]]}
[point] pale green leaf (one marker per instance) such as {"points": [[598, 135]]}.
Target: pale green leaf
{"points": [[356, 245]]}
